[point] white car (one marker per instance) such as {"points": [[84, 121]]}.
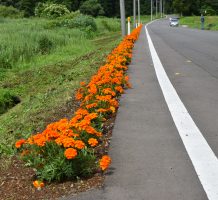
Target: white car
{"points": [[174, 22]]}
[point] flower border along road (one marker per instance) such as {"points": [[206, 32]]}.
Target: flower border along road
{"points": [[66, 149]]}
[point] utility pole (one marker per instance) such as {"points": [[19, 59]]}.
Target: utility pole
{"points": [[156, 8], [139, 11], [134, 13], [151, 10], [123, 17], [161, 9]]}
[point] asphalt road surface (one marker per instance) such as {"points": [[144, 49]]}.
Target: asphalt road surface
{"points": [[150, 161]]}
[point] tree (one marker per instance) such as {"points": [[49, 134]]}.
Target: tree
{"points": [[91, 7]]}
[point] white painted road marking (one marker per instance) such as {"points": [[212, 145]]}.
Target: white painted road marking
{"points": [[203, 158]]}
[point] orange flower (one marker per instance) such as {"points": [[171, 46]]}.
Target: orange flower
{"points": [[119, 89], [38, 184], [105, 161], [91, 105], [83, 83], [19, 143], [25, 152], [70, 153], [68, 142], [79, 144], [92, 142]]}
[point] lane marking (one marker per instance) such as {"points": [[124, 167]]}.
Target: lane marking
{"points": [[203, 158]]}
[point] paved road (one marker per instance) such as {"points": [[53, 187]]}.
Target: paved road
{"points": [[149, 159]]}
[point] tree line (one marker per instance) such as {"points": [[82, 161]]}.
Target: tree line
{"points": [[110, 8]]}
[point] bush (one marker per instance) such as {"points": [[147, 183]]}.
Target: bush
{"points": [[51, 11], [10, 12], [82, 22], [7, 100], [45, 45], [5, 63], [92, 7], [209, 11]]}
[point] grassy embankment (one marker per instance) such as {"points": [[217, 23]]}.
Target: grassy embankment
{"points": [[42, 67], [211, 22]]}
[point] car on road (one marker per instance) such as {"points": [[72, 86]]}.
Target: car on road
{"points": [[174, 22]]}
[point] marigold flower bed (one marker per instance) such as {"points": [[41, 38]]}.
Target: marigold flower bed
{"points": [[66, 149]]}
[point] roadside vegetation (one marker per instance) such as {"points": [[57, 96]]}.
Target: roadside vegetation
{"points": [[211, 22], [41, 65]]}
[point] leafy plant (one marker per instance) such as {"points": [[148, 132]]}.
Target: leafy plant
{"points": [[45, 45], [10, 12], [7, 100], [92, 7], [51, 11], [82, 22]]}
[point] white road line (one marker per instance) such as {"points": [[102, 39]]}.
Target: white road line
{"points": [[203, 158]]}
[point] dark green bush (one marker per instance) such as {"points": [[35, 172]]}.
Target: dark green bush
{"points": [[5, 63], [10, 11], [45, 45], [82, 22], [7, 100], [92, 7]]}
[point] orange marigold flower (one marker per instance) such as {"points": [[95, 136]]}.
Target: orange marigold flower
{"points": [[112, 109], [70, 153], [79, 144], [91, 105], [92, 142], [119, 89], [38, 184], [68, 142], [79, 96], [19, 143], [105, 161], [83, 83]]}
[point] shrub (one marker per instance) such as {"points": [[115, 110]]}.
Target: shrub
{"points": [[92, 7], [5, 63], [51, 11], [82, 22], [7, 100], [209, 11], [45, 45], [10, 12]]}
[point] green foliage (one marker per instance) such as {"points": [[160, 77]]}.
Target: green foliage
{"points": [[10, 12], [92, 7], [45, 45], [7, 100], [51, 164], [27, 6], [208, 10], [84, 22], [51, 11], [211, 22]]}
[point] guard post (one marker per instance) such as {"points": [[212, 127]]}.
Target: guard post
{"points": [[202, 22], [128, 25]]}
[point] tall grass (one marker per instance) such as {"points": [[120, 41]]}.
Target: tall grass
{"points": [[20, 41], [211, 22]]}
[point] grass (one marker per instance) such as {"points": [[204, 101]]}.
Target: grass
{"points": [[211, 22], [45, 83]]}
